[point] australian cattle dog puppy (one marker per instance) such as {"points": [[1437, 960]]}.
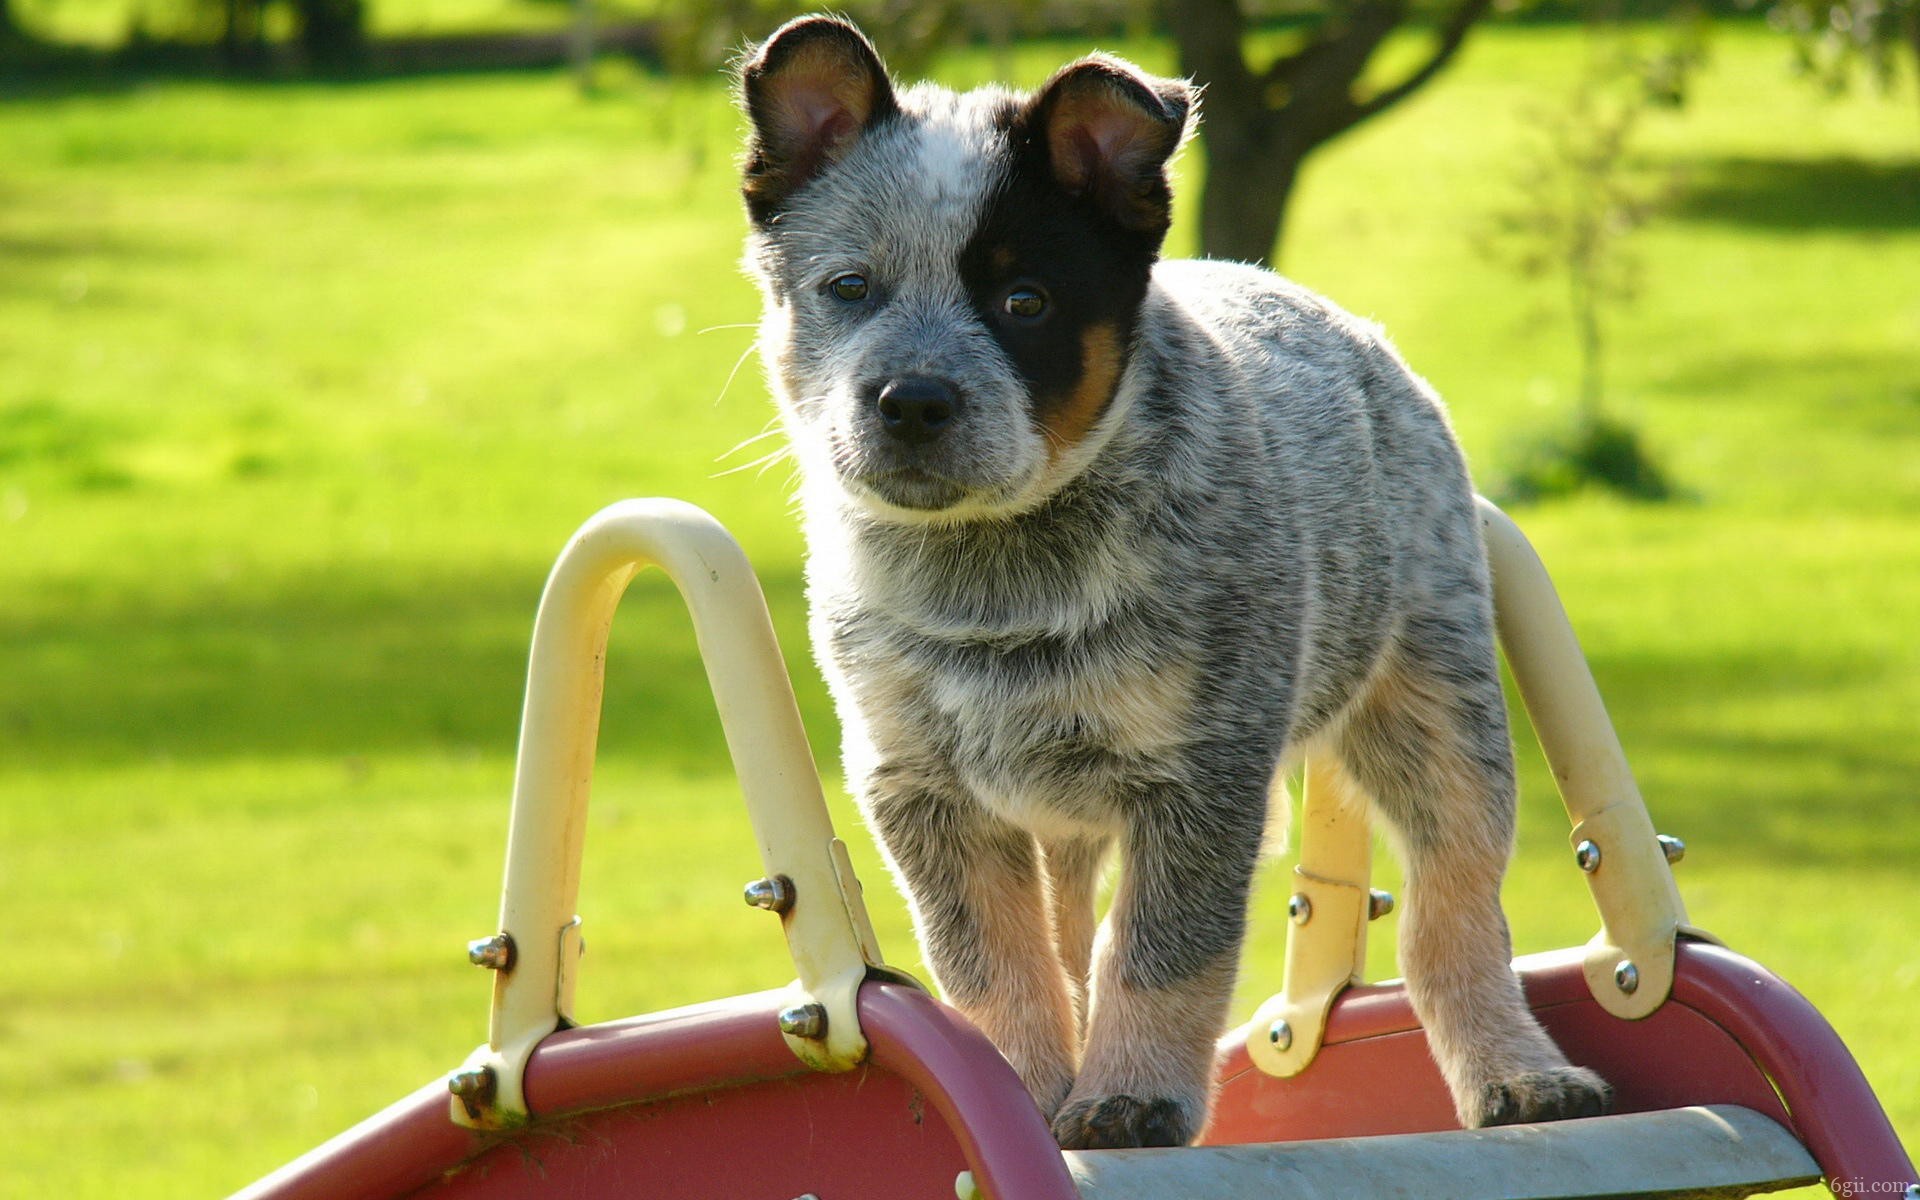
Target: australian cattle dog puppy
{"points": [[1097, 544]]}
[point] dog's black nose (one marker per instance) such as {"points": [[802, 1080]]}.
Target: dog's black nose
{"points": [[918, 409]]}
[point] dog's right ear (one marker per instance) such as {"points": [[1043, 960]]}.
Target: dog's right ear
{"points": [[810, 90]]}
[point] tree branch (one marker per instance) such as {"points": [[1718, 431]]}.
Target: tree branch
{"points": [[1320, 78], [1210, 34], [1452, 35]]}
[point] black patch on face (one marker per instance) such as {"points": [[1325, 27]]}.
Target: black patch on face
{"points": [[1093, 270]]}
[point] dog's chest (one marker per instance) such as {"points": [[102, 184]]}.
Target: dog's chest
{"points": [[1051, 732]]}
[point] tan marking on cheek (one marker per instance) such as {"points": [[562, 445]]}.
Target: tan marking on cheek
{"points": [[1071, 419]]}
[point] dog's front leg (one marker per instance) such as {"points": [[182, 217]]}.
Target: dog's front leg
{"points": [[980, 907], [1073, 879], [1165, 973]]}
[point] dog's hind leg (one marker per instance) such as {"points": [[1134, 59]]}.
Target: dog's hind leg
{"points": [[980, 904], [1073, 878], [1428, 741]]}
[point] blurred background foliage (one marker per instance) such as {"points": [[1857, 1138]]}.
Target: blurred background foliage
{"points": [[323, 324]]}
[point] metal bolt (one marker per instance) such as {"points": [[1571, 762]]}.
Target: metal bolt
{"points": [[494, 953], [1588, 856], [1379, 904], [1626, 977], [1299, 909], [1672, 847], [804, 1021], [473, 1084], [1281, 1035], [774, 894]]}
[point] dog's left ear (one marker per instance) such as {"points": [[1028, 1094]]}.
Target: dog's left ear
{"points": [[1108, 129]]}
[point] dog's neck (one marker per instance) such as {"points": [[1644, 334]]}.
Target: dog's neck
{"points": [[1055, 570]]}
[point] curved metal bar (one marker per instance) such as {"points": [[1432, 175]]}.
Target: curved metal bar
{"points": [[827, 929], [1629, 963]]}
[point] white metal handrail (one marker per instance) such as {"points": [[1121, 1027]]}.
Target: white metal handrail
{"points": [[809, 879], [1628, 964]]}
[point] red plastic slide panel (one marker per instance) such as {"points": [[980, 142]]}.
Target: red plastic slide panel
{"points": [[708, 1101], [935, 1099]]}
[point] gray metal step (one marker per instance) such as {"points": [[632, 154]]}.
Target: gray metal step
{"points": [[1705, 1152], [1682, 1152]]}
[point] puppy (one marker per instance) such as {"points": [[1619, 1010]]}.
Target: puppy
{"points": [[1096, 544]]}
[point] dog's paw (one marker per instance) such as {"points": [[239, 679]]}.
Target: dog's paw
{"points": [[1119, 1122], [1551, 1095]]}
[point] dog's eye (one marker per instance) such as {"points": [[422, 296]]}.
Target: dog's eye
{"points": [[1026, 302], [850, 287]]}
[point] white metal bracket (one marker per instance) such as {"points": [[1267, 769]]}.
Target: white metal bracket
{"points": [[1327, 936]]}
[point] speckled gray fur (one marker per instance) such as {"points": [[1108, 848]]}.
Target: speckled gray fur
{"points": [[1265, 542]]}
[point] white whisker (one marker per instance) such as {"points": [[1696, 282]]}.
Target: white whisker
{"points": [[771, 429], [763, 462], [737, 364]]}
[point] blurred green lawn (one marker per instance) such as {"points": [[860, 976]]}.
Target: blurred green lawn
{"points": [[106, 23], [301, 388]]}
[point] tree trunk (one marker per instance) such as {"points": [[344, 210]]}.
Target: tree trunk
{"points": [[332, 33], [1262, 125], [1586, 319], [1243, 207], [240, 35], [580, 46], [1913, 39]]}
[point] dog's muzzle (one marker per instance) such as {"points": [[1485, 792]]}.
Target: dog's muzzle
{"points": [[916, 453], [917, 409]]}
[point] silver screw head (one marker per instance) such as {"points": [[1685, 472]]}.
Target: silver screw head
{"points": [[1379, 904], [1588, 856], [804, 1021], [774, 894], [471, 1084], [1673, 848], [1626, 977], [494, 953], [1281, 1035], [1299, 909]]}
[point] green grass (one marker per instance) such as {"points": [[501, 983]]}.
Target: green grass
{"points": [[301, 388], [106, 23]]}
